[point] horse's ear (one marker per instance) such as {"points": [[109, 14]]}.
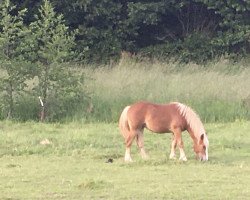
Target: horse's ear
{"points": [[201, 139]]}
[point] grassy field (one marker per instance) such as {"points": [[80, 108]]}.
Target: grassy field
{"points": [[68, 161]]}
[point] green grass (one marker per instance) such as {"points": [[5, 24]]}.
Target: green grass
{"points": [[73, 164]]}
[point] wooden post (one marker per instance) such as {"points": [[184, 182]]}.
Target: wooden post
{"points": [[42, 114]]}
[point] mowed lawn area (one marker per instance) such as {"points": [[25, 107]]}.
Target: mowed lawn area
{"points": [[69, 161]]}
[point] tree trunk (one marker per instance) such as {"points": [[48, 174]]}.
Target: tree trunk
{"points": [[10, 100], [42, 113]]}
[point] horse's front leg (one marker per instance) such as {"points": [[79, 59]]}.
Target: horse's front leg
{"points": [[173, 147], [127, 157], [140, 144], [178, 137]]}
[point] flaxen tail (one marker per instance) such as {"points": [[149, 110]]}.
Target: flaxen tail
{"points": [[123, 123]]}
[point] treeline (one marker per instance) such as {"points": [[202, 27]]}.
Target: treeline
{"points": [[186, 30]]}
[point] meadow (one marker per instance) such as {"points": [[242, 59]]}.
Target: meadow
{"points": [[69, 161]]}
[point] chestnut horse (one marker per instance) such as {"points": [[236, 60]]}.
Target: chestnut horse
{"points": [[163, 118]]}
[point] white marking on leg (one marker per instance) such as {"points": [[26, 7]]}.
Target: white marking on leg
{"points": [[182, 155], [172, 153], [173, 146], [143, 154], [127, 157], [172, 156]]}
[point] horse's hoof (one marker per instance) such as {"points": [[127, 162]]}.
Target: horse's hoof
{"points": [[172, 157], [128, 160], [183, 159]]}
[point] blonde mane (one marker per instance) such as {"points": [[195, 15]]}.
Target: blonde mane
{"points": [[193, 120]]}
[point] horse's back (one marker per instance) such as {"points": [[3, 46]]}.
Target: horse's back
{"points": [[141, 109], [156, 117]]}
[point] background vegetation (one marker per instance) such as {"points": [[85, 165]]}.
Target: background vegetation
{"points": [[87, 59], [217, 93], [190, 30]]}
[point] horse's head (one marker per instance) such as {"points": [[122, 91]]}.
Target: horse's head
{"points": [[201, 148]]}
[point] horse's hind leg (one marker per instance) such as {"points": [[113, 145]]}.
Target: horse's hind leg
{"points": [[128, 142], [140, 144]]}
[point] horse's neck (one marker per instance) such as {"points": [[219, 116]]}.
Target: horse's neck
{"points": [[192, 135]]}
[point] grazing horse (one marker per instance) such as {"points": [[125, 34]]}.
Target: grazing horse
{"points": [[163, 118]]}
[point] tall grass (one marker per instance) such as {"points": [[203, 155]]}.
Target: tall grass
{"points": [[219, 92]]}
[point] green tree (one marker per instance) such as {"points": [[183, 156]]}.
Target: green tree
{"points": [[234, 35], [102, 28], [53, 45], [13, 65]]}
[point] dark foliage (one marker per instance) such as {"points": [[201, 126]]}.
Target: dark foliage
{"points": [[106, 27]]}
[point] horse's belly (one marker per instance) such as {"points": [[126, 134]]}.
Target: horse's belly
{"points": [[158, 128], [165, 124]]}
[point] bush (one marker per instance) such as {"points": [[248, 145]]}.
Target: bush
{"points": [[26, 108], [62, 108], [197, 47], [168, 50]]}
